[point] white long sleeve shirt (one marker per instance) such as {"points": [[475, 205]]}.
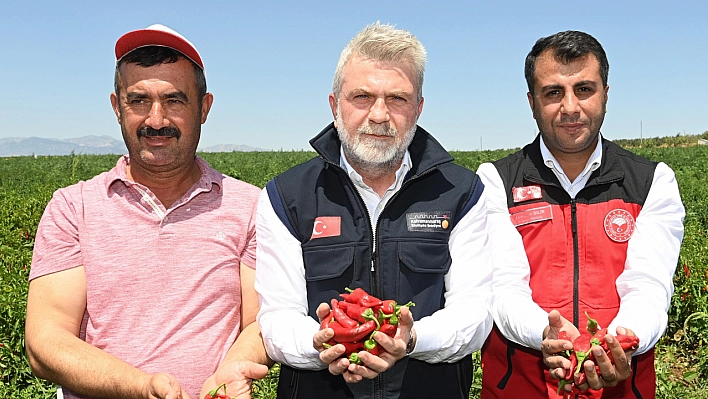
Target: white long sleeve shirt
{"points": [[448, 335], [645, 286]]}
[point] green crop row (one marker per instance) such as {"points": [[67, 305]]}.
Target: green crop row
{"points": [[27, 184]]}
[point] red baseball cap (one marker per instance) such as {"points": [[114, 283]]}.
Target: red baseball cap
{"points": [[157, 35]]}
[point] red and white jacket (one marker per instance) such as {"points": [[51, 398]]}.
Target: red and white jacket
{"points": [[608, 248]]}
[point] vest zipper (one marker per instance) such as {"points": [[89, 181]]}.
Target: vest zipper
{"points": [[378, 380], [576, 261], [372, 237], [374, 256]]}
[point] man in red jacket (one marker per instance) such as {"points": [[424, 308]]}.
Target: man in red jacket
{"points": [[577, 225]]}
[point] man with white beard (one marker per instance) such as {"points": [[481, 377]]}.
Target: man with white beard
{"points": [[382, 208]]}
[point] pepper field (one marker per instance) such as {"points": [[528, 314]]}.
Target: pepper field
{"points": [[27, 184]]}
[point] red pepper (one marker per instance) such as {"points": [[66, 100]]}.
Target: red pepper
{"points": [[582, 343], [625, 341], [341, 316], [354, 295], [370, 344], [388, 306], [377, 350], [388, 329], [352, 334], [354, 310], [363, 298], [326, 321], [373, 347], [591, 336], [583, 378], [215, 395], [573, 365]]}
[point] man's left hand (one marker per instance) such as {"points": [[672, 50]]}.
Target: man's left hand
{"points": [[610, 375], [238, 376], [394, 350]]}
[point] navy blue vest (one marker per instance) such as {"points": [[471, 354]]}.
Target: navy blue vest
{"points": [[409, 264]]}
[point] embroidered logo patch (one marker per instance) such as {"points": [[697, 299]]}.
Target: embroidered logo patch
{"points": [[532, 215], [619, 225], [526, 193], [429, 221], [327, 226]]}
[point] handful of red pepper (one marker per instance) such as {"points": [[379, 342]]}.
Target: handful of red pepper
{"points": [[356, 319], [214, 394], [582, 351]]}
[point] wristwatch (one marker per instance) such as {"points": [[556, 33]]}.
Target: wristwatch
{"points": [[409, 346]]}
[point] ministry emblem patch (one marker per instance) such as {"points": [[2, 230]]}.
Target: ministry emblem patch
{"points": [[619, 225]]}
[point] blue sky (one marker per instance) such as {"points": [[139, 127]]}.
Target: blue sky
{"points": [[270, 64]]}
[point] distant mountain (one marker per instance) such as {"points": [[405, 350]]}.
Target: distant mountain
{"points": [[229, 148], [13, 146], [17, 146]]}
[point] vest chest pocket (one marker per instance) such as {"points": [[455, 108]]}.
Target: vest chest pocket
{"points": [[329, 262], [425, 257], [422, 269]]}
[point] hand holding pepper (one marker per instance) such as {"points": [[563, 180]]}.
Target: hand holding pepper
{"points": [[610, 367], [394, 348], [236, 376], [555, 343], [358, 333], [593, 357], [214, 394]]}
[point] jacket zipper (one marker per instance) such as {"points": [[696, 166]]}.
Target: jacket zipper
{"points": [[576, 261]]}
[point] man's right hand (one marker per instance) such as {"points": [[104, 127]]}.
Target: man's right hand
{"points": [[331, 355], [552, 346], [164, 386]]}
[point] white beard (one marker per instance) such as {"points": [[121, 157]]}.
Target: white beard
{"points": [[373, 156]]}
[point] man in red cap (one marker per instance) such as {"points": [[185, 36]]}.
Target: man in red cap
{"points": [[142, 278]]}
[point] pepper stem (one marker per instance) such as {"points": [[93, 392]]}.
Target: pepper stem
{"points": [[214, 392]]}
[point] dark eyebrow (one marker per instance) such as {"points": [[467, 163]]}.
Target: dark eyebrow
{"points": [[358, 91], [179, 95], [585, 83], [551, 87], [402, 94], [579, 84], [135, 96]]}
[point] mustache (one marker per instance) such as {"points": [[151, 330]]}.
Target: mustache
{"points": [[147, 131], [572, 119], [383, 129]]}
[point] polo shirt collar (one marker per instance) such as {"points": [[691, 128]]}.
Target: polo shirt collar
{"points": [[209, 176]]}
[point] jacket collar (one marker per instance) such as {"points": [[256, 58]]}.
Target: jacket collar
{"points": [[426, 153], [609, 171]]}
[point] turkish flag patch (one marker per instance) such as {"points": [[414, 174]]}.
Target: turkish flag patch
{"points": [[526, 193], [327, 226]]}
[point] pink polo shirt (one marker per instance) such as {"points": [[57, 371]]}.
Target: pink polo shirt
{"points": [[163, 287]]}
